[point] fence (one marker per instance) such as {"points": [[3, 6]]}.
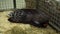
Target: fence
{"points": [[12, 4], [50, 8]]}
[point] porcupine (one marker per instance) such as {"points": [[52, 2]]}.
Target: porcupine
{"points": [[29, 16]]}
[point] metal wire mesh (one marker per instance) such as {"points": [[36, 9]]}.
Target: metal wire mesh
{"points": [[6, 4], [50, 9], [12, 4]]}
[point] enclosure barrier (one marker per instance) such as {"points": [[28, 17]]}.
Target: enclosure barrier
{"points": [[50, 8]]}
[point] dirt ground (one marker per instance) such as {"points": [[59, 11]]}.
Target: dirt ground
{"points": [[7, 27]]}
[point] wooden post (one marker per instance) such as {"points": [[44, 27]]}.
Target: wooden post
{"points": [[14, 3]]}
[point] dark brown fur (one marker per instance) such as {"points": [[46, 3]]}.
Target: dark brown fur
{"points": [[29, 16]]}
